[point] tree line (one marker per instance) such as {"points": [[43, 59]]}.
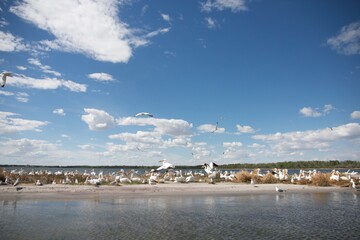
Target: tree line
{"points": [[288, 165]]}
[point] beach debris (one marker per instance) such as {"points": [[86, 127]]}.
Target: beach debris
{"points": [[4, 76]]}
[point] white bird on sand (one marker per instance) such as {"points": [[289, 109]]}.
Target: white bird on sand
{"points": [[210, 169], [144, 114], [165, 165], [353, 185], [3, 78], [279, 189], [38, 183]]}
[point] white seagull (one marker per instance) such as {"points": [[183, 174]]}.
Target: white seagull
{"points": [[165, 165], [3, 79], [144, 114]]}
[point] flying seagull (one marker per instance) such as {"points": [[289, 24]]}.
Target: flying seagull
{"points": [[3, 79], [144, 114]]}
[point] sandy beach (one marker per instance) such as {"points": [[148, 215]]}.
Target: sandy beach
{"points": [[60, 191]]}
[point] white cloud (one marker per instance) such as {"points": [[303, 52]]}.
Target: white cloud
{"points": [[19, 96], [157, 32], [6, 93], [59, 111], [65, 136], [233, 5], [310, 112], [210, 128], [166, 17], [348, 40], [3, 22], [211, 23], [22, 97], [355, 115], [101, 76], [45, 83], [91, 27], [10, 43], [98, 119], [311, 139], [22, 68], [172, 127], [44, 68], [9, 124], [139, 137], [244, 129], [27, 148], [232, 144]]}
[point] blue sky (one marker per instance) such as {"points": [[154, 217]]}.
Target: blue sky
{"points": [[230, 81]]}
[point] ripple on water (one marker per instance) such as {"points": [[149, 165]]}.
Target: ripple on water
{"points": [[286, 216]]}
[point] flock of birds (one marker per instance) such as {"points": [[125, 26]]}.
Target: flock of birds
{"points": [[164, 173], [154, 176]]}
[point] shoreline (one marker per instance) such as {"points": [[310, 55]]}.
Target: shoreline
{"points": [[69, 192]]}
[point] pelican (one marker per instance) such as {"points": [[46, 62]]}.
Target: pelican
{"points": [[4, 75], [211, 171], [165, 165], [144, 114], [353, 185], [279, 189]]}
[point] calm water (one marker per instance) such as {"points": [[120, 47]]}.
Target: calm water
{"points": [[274, 216]]}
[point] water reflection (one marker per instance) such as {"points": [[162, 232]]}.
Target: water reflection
{"points": [[289, 216]]}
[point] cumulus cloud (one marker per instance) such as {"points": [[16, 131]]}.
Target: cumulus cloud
{"points": [[355, 115], [27, 148], [312, 139], [43, 68], [45, 83], [101, 76], [139, 137], [10, 124], [348, 40], [98, 119], [244, 129], [220, 5], [311, 112], [172, 127], [103, 37], [11, 43], [59, 111]]}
